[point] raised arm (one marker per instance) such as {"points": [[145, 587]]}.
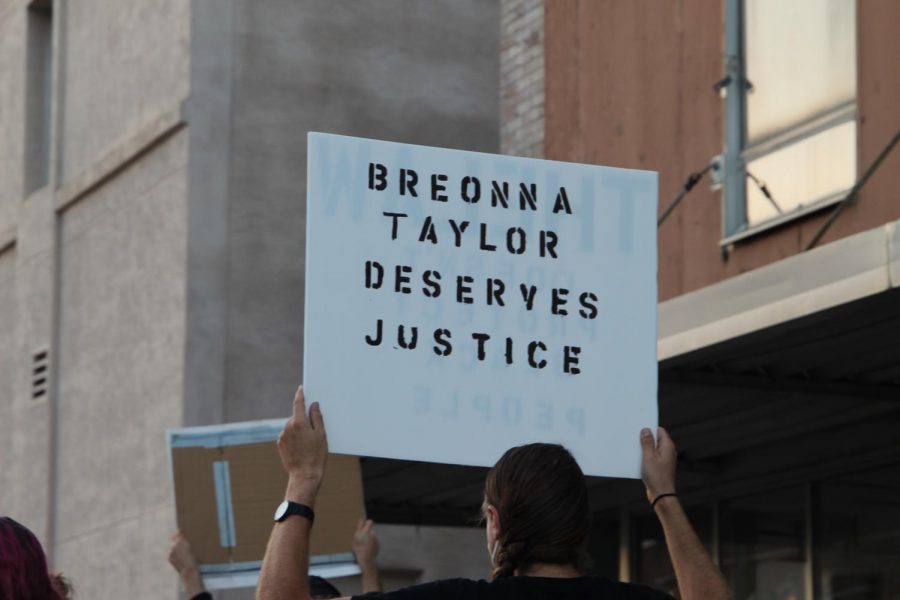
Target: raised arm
{"points": [[181, 556], [698, 576], [365, 547], [303, 448]]}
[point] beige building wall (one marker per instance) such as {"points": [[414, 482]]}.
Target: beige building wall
{"points": [[12, 78], [160, 267], [7, 332], [125, 63], [92, 272], [25, 255], [120, 353]]}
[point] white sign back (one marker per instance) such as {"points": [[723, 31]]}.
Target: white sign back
{"points": [[460, 303]]}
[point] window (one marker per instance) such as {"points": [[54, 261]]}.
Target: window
{"points": [[791, 108], [857, 536], [603, 544], [38, 91], [763, 545], [652, 564]]}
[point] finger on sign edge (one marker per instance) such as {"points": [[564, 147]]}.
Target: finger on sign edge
{"points": [[299, 405], [647, 442], [315, 417]]}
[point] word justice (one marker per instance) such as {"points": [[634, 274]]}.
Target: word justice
{"points": [[534, 352]]}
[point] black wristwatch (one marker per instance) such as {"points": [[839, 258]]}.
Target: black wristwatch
{"points": [[288, 508]]}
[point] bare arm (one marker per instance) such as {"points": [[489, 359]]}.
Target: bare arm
{"points": [[303, 449], [182, 558], [698, 576], [365, 547]]}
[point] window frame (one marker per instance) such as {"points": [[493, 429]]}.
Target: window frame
{"points": [[738, 152], [37, 124]]}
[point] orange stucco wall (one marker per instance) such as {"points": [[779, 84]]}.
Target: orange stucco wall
{"points": [[629, 83]]}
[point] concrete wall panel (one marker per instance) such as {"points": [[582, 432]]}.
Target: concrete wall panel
{"points": [[209, 114], [30, 497], [122, 288], [124, 63], [130, 555], [12, 115], [398, 70], [7, 375]]}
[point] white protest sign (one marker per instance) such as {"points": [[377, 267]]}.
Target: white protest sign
{"points": [[460, 303]]}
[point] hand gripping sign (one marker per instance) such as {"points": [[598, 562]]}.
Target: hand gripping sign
{"points": [[460, 303]]}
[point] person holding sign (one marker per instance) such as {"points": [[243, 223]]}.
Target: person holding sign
{"points": [[182, 559], [537, 514], [365, 548]]}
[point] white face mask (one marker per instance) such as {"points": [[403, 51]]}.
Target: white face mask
{"points": [[494, 549]]}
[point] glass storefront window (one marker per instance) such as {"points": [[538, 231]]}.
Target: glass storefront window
{"points": [[603, 545], [765, 551], [762, 545], [652, 565], [857, 536]]}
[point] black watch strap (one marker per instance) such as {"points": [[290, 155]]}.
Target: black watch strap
{"points": [[294, 508]]}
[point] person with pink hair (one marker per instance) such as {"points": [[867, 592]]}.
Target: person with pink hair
{"points": [[23, 565]]}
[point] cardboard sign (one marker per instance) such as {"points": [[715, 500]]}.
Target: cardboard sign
{"points": [[228, 480], [460, 303]]}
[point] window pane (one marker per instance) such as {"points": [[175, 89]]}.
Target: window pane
{"points": [[798, 175], [38, 89], [652, 564], [603, 545], [858, 536], [800, 58], [761, 540]]}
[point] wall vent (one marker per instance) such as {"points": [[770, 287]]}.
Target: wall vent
{"points": [[40, 374]]}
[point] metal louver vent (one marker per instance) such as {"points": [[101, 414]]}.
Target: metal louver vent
{"points": [[40, 374]]}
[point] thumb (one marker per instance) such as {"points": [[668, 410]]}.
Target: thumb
{"points": [[647, 443]]}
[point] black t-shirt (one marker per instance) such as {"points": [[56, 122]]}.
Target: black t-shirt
{"points": [[523, 588]]}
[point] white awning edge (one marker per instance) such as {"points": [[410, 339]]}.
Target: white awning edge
{"points": [[843, 271]]}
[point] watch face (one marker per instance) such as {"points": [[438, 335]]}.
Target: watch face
{"points": [[281, 510]]}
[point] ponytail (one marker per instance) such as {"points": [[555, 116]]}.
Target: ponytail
{"points": [[508, 559], [541, 498]]}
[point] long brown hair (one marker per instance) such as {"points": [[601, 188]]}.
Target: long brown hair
{"points": [[541, 497]]}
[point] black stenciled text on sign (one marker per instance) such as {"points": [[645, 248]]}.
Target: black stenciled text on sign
{"points": [[463, 289]]}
